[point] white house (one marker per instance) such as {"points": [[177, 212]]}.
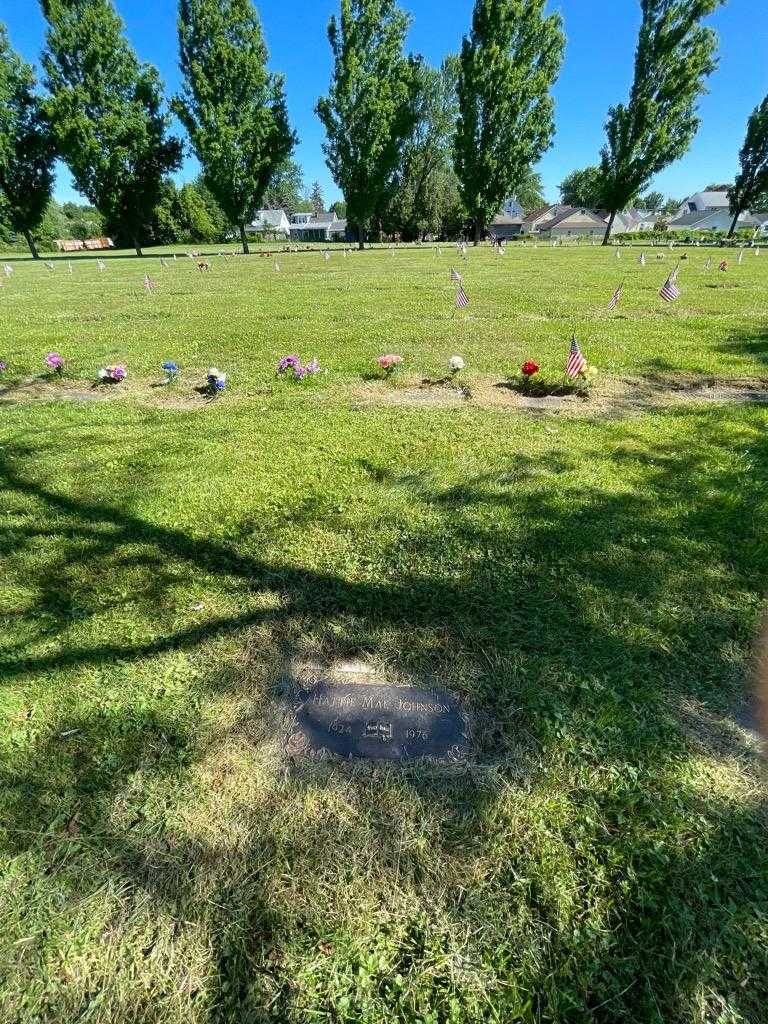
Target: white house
{"points": [[317, 227], [701, 202], [270, 222], [572, 222]]}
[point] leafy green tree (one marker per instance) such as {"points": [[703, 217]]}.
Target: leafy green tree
{"points": [[233, 108], [425, 187], [582, 188], [26, 146], [370, 107], [508, 65], [752, 180], [652, 201], [107, 114], [672, 205], [316, 198], [529, 192], [674, 55], [285, 190], [339, 208]]}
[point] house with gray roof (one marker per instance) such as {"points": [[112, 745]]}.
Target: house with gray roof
{"points": [[270, 222], [317, 227], [572, 222]]}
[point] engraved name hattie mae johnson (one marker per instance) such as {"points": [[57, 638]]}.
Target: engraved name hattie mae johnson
{"points": [[378, 721]]}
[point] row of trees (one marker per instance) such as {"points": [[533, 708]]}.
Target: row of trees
{"points": [[412, 148]]}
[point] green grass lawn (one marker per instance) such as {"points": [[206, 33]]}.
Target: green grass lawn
{"points": [[589, 585]]}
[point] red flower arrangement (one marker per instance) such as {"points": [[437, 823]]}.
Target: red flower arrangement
{"points": [[528, 369]]}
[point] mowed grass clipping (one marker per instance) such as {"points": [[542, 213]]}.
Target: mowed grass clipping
{"points": [[589, 587]]}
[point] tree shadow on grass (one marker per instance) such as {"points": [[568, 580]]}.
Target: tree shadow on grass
{"points": [[592, 622]]}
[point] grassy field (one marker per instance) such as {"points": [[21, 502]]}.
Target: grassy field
{"points": [[588, 582]]}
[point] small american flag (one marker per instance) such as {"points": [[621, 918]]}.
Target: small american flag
{"points": [[7, 269], [69, 267], [455, 275], [49, 265], [641, 261], [149, 284], [277, 268], [576, 360], [615, 297], [741, 257], [618, 254], [462, 299], [708, 264], [757, 251], [326, 255], [669, 290], [100, 264], [163, 263]]}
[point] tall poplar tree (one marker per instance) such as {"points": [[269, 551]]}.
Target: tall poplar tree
{"points": [[106, 110], [751, 184], [26, 146], [370, 108], [508, 64], [233, 108], [675, 53]]}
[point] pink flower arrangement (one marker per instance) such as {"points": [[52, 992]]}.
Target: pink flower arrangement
{"points": [[390, 362], [54, 362]]}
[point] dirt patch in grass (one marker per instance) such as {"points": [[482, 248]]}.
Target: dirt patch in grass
{"points": [[427, 393], [43, 389], [616, 397]]}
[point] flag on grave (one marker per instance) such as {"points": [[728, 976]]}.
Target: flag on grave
{"points": [[741, 257], [455, 275], [69, 266], [7, 269], [615, 297], [149, 284], [669, 290], [462, 299], [576, 361], [100, 264], [163, 263], [641, 261], [49, 265], [708, 264]]}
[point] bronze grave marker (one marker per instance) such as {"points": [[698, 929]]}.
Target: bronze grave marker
{"points": [[378, 721]]}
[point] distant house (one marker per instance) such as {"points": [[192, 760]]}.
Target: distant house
{"points": [[759, 223], [572, 222], [707, 220], [701, 202], [320, 227], [532, 222], [270, 222], [504, 226], [512, 208]]}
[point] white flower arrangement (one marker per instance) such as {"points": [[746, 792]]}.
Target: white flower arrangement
{"points": [[455, 364]]}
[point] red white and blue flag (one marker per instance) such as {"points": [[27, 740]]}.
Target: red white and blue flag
{"points": [[462, 299], [615, 297], [576, 361], [669, 290]]}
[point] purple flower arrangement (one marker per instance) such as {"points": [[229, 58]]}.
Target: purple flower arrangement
{"points": [[55, 363], [112, 374], [293, 364], [3, 366]]}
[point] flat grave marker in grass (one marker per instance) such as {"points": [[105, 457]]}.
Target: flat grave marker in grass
{"points": [[378, 721]]}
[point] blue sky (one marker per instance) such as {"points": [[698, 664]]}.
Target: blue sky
{"points": [[596, 72]]}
